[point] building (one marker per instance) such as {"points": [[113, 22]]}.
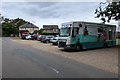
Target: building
{"points": [[27, 28], [50, 29]]}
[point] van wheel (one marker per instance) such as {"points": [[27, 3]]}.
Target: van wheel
{"points": [[78, 47], [105, 45]]}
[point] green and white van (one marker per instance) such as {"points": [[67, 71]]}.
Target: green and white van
{"points": [[85, 35]]}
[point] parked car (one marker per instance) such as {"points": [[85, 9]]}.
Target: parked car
{"points": [[51, 39], [28, 37], [47, 38], [34, 37], [55, 40], [42, 38], [39, 37], [24, 36]]}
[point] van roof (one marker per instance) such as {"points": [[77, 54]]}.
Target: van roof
{"points": [[87, 22]]}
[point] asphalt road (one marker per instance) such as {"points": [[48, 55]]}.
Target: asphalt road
{"points": [[22, 61]]}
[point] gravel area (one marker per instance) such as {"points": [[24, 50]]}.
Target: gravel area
{"points": [[104, 58]]}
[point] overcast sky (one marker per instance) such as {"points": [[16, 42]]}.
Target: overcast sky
{"points": [[43, 13]]}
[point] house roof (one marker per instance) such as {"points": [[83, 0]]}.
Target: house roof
{"points": [[23, 31], [28, 25], [50, 26]]}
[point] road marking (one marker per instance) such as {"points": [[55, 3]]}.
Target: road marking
{"points": [[55, 70]]}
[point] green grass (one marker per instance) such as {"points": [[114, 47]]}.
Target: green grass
{"points": [[16, 38]]}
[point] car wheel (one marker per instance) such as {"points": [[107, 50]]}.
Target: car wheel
{"points": [[53, 43], [47, 41]]}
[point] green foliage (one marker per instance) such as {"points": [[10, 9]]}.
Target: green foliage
{"points": [[17, 38], [111, 11], [11, 26], [41, 31], [44, 32], [7, 29]]}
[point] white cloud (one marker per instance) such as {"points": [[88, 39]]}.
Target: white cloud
{"points": [[53, 0], [40, 13]]}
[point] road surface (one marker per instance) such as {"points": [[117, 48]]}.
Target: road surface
{"points": [[22, 61]]}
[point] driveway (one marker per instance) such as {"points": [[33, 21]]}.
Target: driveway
{"points": [[24, 61], [102, 58]]}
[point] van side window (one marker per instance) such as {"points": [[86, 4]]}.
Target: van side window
{"points": [[100, 32], [75, 31], [100, 29], [85, 31]]}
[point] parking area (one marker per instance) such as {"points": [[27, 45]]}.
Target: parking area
{"points": [[103, 58]]}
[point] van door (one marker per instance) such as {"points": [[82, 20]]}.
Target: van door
{"points": [[110, 35], [75, 32]]}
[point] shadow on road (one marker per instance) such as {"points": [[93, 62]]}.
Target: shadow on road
{"points": [[73, 50]]}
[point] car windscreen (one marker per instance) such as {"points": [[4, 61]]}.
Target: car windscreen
{"points": [[65, 32]]}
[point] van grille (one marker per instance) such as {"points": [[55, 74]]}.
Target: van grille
{"points": [[62, 44]]}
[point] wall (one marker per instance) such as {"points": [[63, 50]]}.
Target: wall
{"points": [[29, 29]]}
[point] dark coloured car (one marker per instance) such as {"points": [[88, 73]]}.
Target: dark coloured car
{"points": [[34, 37], [24, 36]]}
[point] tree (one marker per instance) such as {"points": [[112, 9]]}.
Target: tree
{"points": [[11, 26], [7, 29], [111, 11], [41, 31], [16, 23]]}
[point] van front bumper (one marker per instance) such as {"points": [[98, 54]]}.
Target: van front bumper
{"points": [[64, 45]]}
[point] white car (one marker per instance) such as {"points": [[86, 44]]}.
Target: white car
{"points": [[51, 39], [28, 37], [55, 40]]}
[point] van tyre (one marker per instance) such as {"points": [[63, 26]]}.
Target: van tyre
{"points": [[105, 45], [78, 47]]}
